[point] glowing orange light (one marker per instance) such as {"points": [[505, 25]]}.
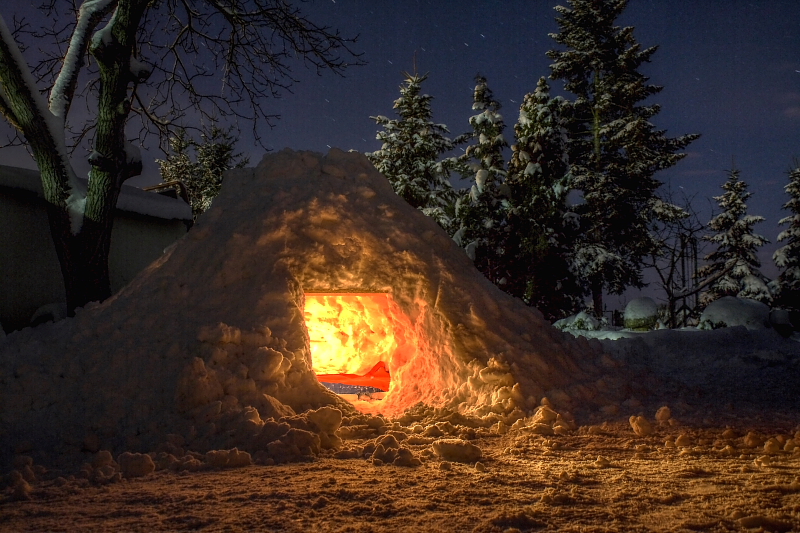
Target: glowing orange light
{"points": [[367, 338], [352, 337]]}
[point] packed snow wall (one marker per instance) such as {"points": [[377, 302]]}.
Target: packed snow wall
{"points": [[212, 335]]}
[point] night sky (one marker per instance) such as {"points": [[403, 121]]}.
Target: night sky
{"points": [[730, 71], [731, 74]]}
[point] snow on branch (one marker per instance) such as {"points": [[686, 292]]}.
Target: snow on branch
{"points": [[89, 16], [28, 111]]}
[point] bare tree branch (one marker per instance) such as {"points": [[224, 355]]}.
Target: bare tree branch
{"points": [[156, 64]]}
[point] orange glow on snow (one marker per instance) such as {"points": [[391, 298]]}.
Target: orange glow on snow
{"points": [[366, 339]]}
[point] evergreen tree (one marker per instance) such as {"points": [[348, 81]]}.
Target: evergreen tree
{"points": [[614, 148], [539, 225], [735, 261], [478, 212], [787, 258], [410, 155], [203, 178]]}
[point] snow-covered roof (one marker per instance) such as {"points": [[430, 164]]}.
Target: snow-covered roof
{"points": [[131, 199]]}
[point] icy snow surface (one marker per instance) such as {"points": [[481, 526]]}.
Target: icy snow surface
{"points": [[209, 342]]}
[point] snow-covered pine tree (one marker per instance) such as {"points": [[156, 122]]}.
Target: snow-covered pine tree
{"points": [[787, 257], [411, 150], [539, 226], [735, 261], [614, 148], [203, 178], [478, 214]]}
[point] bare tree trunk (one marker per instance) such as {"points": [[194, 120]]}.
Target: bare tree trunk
{"points": [[83, 259], [111, 163], [597, 297], [83, 248]]}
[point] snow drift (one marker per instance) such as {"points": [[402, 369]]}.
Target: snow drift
{"points": [[210, 340]]}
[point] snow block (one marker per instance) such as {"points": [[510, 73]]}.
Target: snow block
{"points": [[456, 450]]}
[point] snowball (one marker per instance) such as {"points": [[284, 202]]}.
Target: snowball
{"points": [[762, 461], [601, 462], [752, 440], [457, 450], [641, 314], [433, 431], [135, 464], [327, 419], [405, 457], [544, 415], [772, 446], [388, 441], [640, 426], [730, 311], [102, 458]]}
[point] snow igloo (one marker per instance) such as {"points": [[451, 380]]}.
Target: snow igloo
{"points": [[306, 268]]}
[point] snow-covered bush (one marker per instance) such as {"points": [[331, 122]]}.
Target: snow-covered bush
{"points": [[641, 314], [730, 311], [583, 321]]}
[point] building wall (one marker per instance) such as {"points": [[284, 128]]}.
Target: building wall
{"points": [[30, 276]]}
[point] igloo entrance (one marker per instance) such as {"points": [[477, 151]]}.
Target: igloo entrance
{"points": [[355, 339]]}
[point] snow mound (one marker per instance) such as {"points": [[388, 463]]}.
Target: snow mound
{"points": [[641, 314], [730, 311], [208, 345]]}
